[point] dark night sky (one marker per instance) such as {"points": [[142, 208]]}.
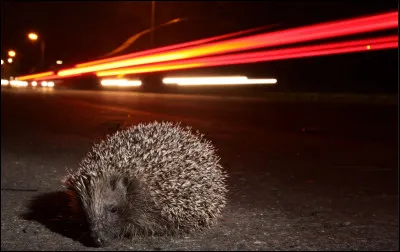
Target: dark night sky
{"points": [[80, 31]]}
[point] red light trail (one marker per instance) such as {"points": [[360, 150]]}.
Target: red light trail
{"points": [[263, 56], [296, 35], [192, 55]]}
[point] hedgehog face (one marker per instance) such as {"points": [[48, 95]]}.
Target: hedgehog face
{"points": [[107, 212]]}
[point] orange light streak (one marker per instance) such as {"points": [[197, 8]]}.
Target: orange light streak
{"points": [[34, 76], [252, 57], [302, 34]]}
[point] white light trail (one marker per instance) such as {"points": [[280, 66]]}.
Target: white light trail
{"points": [[17, 83], [228, 80], [121, 83]]}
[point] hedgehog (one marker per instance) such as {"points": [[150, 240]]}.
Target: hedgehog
{"points": [[157, 178]]}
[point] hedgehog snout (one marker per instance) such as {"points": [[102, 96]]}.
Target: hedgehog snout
{"points": [[100, 241], [99, 238]]}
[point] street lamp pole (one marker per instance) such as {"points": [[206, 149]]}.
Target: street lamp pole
{"points": [[136, 36], [34, 37], [153, 8], [42, 52]]}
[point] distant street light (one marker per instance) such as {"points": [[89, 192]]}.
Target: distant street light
{"points": [[59, 62], [10, 60], [33, 36], [11, 53]]}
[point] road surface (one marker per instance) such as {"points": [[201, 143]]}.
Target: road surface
{"points": [[303, 175]]}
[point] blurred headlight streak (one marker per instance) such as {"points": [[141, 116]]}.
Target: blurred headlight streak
{"points": [[296, 35], [216, 81], [18, 83], [34, 83], [388, 42], [4, 82], [50, 84], [35, 76], [121, 83], [43, 83], [175, 80]]}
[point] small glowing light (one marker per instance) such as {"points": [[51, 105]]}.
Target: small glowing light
{"points": [[44, 83], [17, 83], [32, 36], [59, 62], [2, 62], [368, 47], [11, 53], [121, 83], [50, 84], [4, 82], [34, 83], [10, 60], [217, 81]]}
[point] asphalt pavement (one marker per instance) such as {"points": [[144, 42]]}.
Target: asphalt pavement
{"points": [[302, 175]]}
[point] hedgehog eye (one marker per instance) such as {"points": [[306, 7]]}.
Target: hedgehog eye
{"points": [[113, 209]]}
